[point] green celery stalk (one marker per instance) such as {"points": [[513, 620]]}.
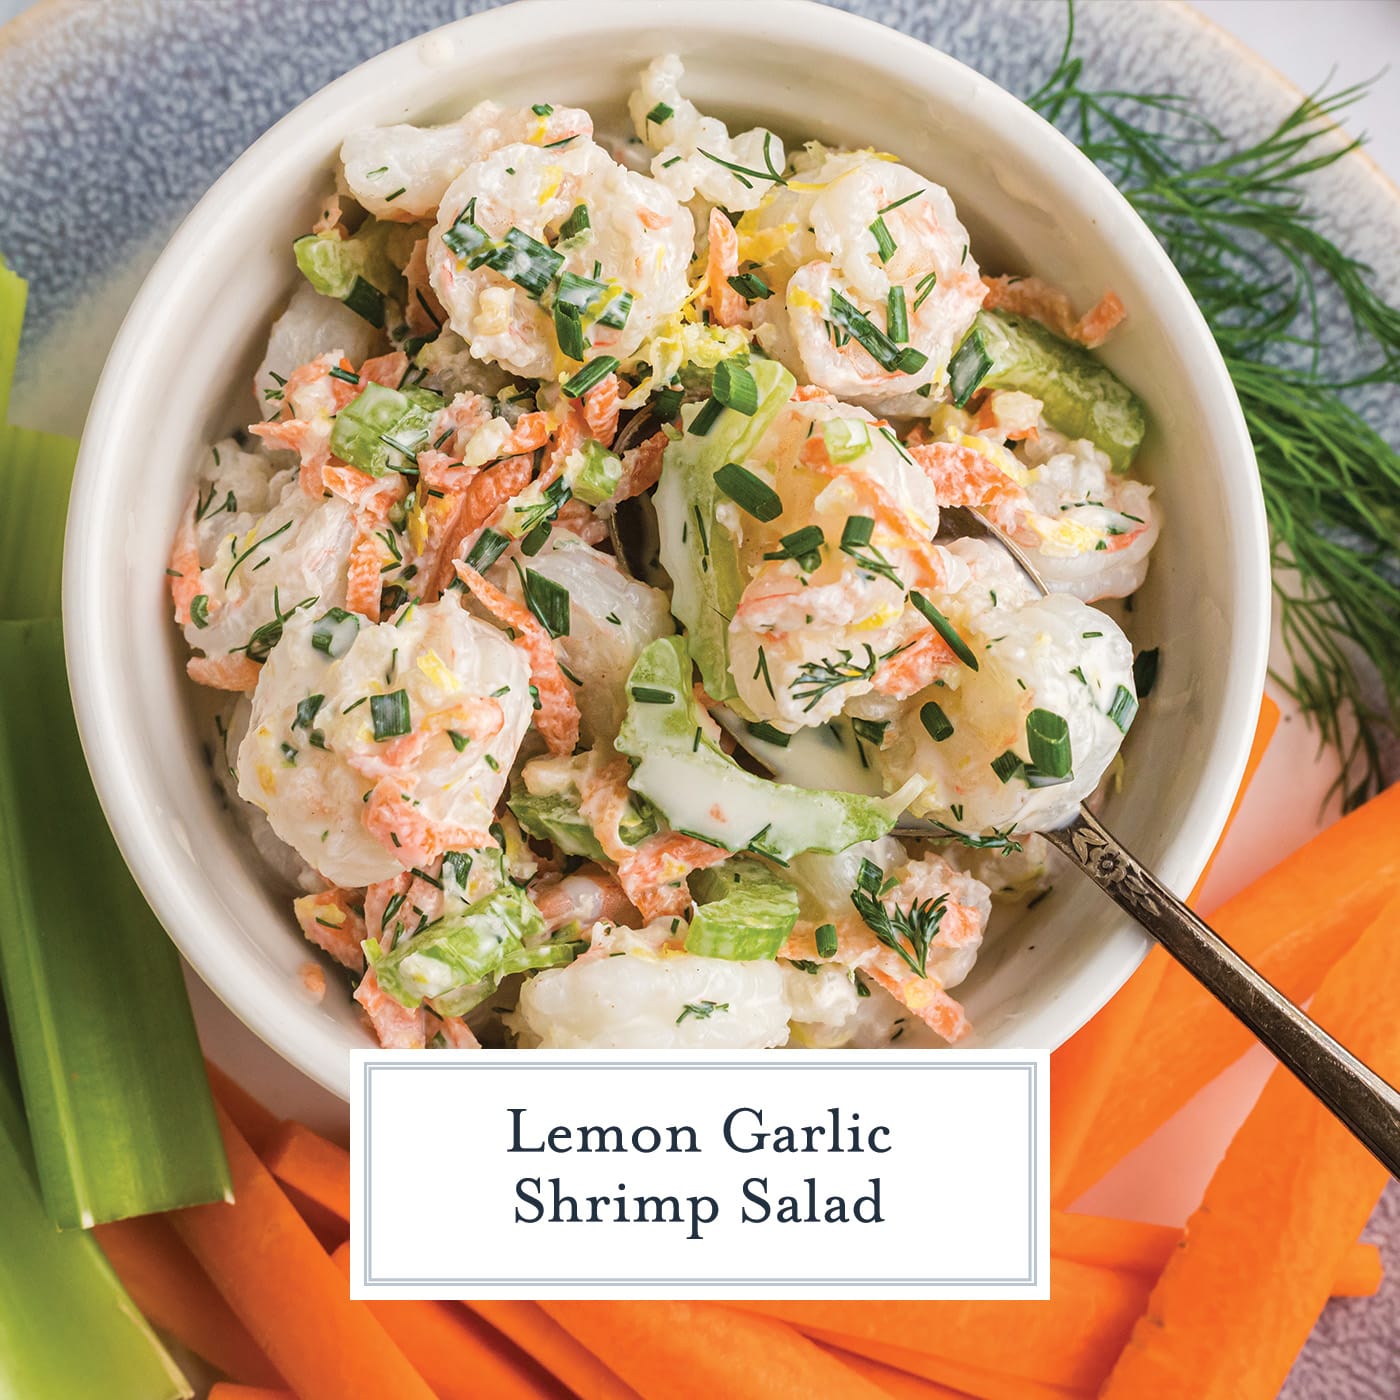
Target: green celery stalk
{"points": [[114, 1085], [67, 1328]]}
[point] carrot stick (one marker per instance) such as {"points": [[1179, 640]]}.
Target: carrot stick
{"points": [[1235, 1305], [224, 1390], [276, 1277], [1136, 1247], [1292, 924], [1070, 1339], [695, 1351], [458, 1355], [1082, 1069], [541, 1337], [256, 1123], [899, 1384], [167, 1284], [308, 1163]]}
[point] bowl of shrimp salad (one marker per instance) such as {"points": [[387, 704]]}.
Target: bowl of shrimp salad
{"points": [[547, 494]]}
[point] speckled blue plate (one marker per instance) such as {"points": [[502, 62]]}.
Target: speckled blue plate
{"points": [[116, 115]]}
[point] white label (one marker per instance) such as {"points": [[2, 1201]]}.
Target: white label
{"points": [[621, 1174]]}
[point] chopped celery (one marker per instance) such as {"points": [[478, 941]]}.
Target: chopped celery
{"points": [[114, 1084], [598, 478], [746, 911], [360, 270], [458, 961], [700, 790], [697, 552], [382, 430], [555, 817], [68, 1327], [1082, 397]]}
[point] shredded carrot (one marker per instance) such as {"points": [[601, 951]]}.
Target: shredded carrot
{"points": [[531, 431], [1029, 296], [184, 564], [652, 875], [910, 670], [566, 439], [394, 1025], [364, 579], [484, 495], [328, 920], [696, 1351], [558, 716], [1238, 1300], [727, 306], [455, 1352], [1291, 924], [274, 1274], [641, 467], [541, 1337], [1083, 1068], [167, 1284], [600, 409]]}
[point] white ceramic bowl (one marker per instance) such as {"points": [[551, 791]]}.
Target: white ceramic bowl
{"points": [[178, 374]]}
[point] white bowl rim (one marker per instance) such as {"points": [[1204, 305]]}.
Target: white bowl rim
{"points": [[91, 653]]}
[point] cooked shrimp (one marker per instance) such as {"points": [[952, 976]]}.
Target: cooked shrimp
{"points": [[589, 896], [402, 172], [695, 153], [637, 246], [319, 756]]}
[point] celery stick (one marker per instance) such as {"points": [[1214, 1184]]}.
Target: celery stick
{"points": [[746, 911], [66, 1326], [114, 1085], [36, 470]]}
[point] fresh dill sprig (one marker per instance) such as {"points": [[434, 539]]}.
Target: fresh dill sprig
{"points": [[815, 678], [1236, 223], [907, 932]]}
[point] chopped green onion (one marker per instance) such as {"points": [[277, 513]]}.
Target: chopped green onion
{"points": [[389, 715], [826, 941], [199, 610], [749, 492], [897, 315], [490, 545], [334, 632], [549, 601], [735, 388], [541, 109], [649, 695], [704, 420], [459, 742], [525, 261], [804, 545], [968, 367], [939, 726], [1008, 765], [1047, 736], [761, 729], [750, 286], [884, 243], [660, 113], [576, 224], [568, 331], [846, 439], [667, 403], [849, 318], [857, 532], [945, 629], [307, 710], [594, 372], [1123, 708]]}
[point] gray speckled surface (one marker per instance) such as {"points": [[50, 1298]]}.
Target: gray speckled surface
{"points": [[115, 115]]}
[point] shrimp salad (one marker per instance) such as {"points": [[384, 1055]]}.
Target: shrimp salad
{"points": [[577, 613]]}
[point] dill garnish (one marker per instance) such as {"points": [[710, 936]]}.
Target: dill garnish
{"points": [[1235, 222]]}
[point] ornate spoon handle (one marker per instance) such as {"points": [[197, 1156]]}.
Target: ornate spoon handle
{"points": [[1357, 1095]]}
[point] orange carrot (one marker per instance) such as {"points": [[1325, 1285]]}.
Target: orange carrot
{"points": [[695, 1351], [1291, 924], [167, 1284], [539, 1336], [255, 1122], [305, 1161], [899, 1384], [458, 1355], [1235, 1305], [1082, 1069], [276, 1277], [1071, 1339], [224, 1390]]}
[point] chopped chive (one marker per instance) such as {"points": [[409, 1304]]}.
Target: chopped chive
{"points": [[306, 711], [884, 243], [649, 695], [1088, 635], [334, 632], [492, 762], [945, 629], [1078, 673], [923, 287], [898, 202], [594, 372], [389, 715], [857, 532], [939, 726], [746, 174], [749, 492], [1047, 736], [705, 419], [762, 670], [1008, 765], [199, 610], [660, 113], [761, 729], [459, 741], [526, 261], [577, 223], [1122, 710], [871, 730], [968, 367], [547, 600], [804, 545], [568, 331], [344, 375], [750, 286], [541, 109], [390, 198], [826, 941], [490, 545], [735, 388], [376, 172], [897, 315], [667, 403], [849, 318]]}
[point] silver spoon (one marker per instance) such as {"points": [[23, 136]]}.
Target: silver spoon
{"points": [[1358, 1096]]}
